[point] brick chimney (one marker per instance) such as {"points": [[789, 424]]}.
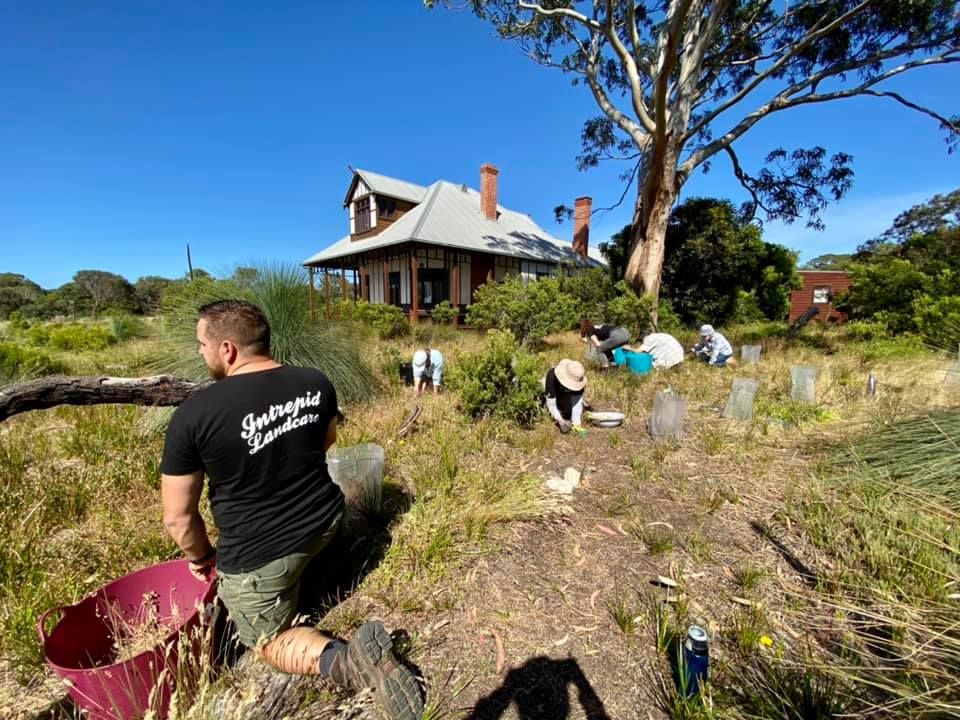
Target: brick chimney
{"points": [[581, 225], [488, 191]]}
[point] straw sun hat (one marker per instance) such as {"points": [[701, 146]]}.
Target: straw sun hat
{"points": [[571, 375]]}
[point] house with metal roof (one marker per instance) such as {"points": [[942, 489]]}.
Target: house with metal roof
{"points": [[414, 246]]}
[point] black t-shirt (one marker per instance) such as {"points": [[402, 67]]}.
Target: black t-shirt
{"points": [[565, 397], [602, 332], [259, 437]]}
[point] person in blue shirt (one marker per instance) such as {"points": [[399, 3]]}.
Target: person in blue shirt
{"points": [[427, 370], [713, 348]]}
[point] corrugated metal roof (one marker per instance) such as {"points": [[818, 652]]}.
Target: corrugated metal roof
{"points": [[391, 187], [450, 216]]}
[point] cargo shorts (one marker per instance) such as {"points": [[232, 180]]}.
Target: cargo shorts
{"points": [[263, 603]]}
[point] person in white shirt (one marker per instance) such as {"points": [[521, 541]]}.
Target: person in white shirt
{"points": [[665, 349], [427, 371], [713, 348]]}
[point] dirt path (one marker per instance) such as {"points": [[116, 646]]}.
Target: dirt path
{"points": [[532, 627]]}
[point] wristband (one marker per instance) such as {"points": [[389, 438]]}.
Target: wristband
{"points": [[207, 556]]}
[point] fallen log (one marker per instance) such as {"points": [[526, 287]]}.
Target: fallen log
{"points": [[48, 392]]}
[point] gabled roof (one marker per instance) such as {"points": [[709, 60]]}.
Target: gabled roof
{"points": [[450, 216], [383, 185]]}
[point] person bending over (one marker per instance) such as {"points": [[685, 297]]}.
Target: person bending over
{"points": [[260, 435], [427, 371], [602, 340], [563, 389], [665, 349]]}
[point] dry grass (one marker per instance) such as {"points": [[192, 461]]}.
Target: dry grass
{"points": [[482, 560]]}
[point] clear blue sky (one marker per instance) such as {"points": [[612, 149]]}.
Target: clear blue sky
{"points": [[129, 129]]}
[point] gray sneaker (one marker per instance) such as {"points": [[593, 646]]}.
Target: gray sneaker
{"points": [[369, 662]]}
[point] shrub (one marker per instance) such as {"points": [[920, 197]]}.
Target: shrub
{"points": [[126, 327], [281, 291], [755, 332], [591, 290], [18, 363], [529, 310], [747, 308], [864, 330], [388, 320], [938, 320], [443, 313], [77, 337], [501, 380], [630, 310]]}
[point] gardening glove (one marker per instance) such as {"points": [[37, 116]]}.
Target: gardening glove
{"points": [[580, 430]]}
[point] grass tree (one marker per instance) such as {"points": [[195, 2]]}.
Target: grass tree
{"points": [[280, 290], [682, 81]]}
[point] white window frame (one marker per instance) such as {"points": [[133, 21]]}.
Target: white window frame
{"points": [[823, 292]]}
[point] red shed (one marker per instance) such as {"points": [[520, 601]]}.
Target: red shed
{"points": [[819, 289]]}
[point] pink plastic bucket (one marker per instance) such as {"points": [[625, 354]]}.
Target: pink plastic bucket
{"points": [[80, 649]]}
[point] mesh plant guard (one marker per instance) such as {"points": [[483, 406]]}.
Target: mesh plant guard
{"points": [[804, 383], [750, 353], [666, 422], [740, 403]]}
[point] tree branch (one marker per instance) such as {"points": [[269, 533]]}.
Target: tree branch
{"points": [[48, 392], [630, 65], [744, 181], [811, 37], [618, 203], [562, 12], [782, 102]]}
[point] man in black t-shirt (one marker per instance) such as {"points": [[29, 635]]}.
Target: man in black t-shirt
{"points": [[260, 435]]}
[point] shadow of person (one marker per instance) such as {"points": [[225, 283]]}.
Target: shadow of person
{"points": [[541, 690]]}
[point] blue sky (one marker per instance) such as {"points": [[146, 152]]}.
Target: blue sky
{"points": [[130, 129]]}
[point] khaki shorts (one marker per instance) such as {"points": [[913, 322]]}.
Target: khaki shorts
{"points": [[263, 603]]}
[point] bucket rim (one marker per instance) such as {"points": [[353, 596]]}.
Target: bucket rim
{"points": [[102, 591]]}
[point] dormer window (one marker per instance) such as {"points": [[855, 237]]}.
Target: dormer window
{"points": [[386, 207], [361, 215]]}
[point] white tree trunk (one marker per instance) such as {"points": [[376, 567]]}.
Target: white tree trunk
{"points": [[651, 214]]}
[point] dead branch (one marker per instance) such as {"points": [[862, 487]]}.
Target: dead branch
{"points": [[49, 392]]}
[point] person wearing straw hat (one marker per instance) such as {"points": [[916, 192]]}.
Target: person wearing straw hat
{"points": [[563, 388], [427, 370], [713, 348]]}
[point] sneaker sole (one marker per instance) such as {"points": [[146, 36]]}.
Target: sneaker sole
{"points": [[396, 689]]}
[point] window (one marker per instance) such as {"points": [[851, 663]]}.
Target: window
{"points": [[821, 295], [361, 215], [432, 286], [395, 288], [386, 207]]}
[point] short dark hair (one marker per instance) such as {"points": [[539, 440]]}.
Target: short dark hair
{"points": [[240, 322], [586, 327]]}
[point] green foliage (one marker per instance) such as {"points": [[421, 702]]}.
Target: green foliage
{"points": [[501, 380], [864, 330], [713, 255], [19, 363], [591, 289], [529, 310], [443, 313], [756, 332], [148, 291], [336, 348], [938, 320], [126, 327], [388, 320], [79, 337], [104, 290], [885, 291], [16, 291], [748, 309], [631, 311], [830, 261]]}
